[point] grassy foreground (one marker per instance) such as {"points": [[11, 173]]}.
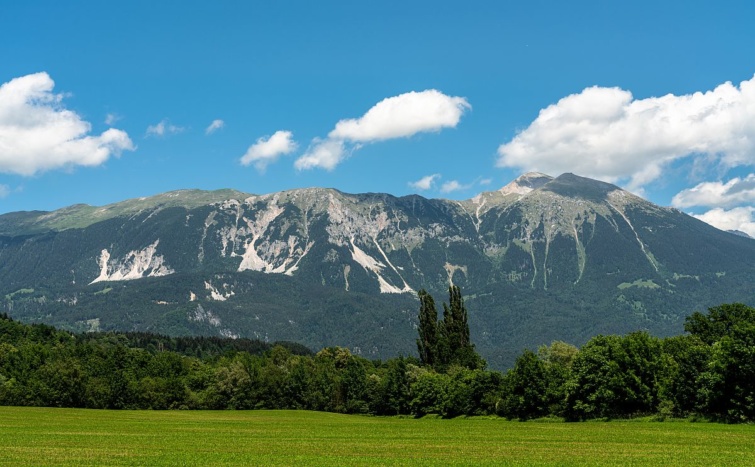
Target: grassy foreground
{"points": [[38, 436]]}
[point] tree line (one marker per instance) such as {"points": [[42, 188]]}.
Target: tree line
{"points": [[707, 373]]}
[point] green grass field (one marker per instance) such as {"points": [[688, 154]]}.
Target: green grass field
{"points": [[36, 436]]}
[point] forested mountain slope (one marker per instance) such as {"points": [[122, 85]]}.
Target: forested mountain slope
{"points": [[540, 259]]}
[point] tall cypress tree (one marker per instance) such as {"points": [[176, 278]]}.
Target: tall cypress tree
{"points": [[455, 322], [427, 344], [446, 342]]}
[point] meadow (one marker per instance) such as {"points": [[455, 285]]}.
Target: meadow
{"points": [[43, 436]]}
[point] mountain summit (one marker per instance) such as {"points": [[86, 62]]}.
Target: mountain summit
{"points": [[541, 259], [526, 183]]}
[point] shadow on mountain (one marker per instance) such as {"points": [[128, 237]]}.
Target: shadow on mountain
{"points": [[574, 186]]}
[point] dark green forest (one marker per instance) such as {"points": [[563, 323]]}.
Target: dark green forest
{"points": [[708, 373]]}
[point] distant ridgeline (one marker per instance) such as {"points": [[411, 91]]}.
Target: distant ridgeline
{"points": [[540, 259], [708, 373]]}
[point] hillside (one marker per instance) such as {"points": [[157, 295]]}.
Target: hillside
{"points": [[540, 259]]}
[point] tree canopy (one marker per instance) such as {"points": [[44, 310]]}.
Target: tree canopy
{"points": [[442, 344], [709, 373]]}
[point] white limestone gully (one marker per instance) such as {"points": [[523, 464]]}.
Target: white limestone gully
{"points": [[200, 315], [451, 270], [617, 200], [252, 231], [219, 294], [353, 225], [204, 316], [209, 222], [376, 267], [361, 223], [135, 264], [260, 253]]}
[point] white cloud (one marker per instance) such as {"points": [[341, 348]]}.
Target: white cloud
{"points": [[742, 219], [425, 183], [111, 118], [326, 154], [605, 133], [266, 151], [163, 128], [735, 191], [403, 115], [216, 125], [394, 117], [453, 185], [4, 191], [428, 182], [37, 133]]}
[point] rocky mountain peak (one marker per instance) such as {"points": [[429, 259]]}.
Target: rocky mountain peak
{"points": [[525, 183], [574, 186]]}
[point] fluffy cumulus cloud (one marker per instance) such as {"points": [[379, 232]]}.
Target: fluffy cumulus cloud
{"points": [[394, 117], [37, 133], [741, 218], [425, 183], [325, 154], [735, 192], [4, 191], [216, 125], [267, 150], [403, 115], [608, 134], [163, 128]]}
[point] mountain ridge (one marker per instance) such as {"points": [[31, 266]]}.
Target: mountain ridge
{"points": [[192, 197], [539, 255]]}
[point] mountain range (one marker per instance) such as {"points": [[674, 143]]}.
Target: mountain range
{"points": [[541, 259]]}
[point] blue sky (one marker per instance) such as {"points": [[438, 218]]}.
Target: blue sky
{"points": [[102, 101]]}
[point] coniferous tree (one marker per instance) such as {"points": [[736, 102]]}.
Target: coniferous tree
{"points": [[446, 342], [427, 344], [455, 322]]}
